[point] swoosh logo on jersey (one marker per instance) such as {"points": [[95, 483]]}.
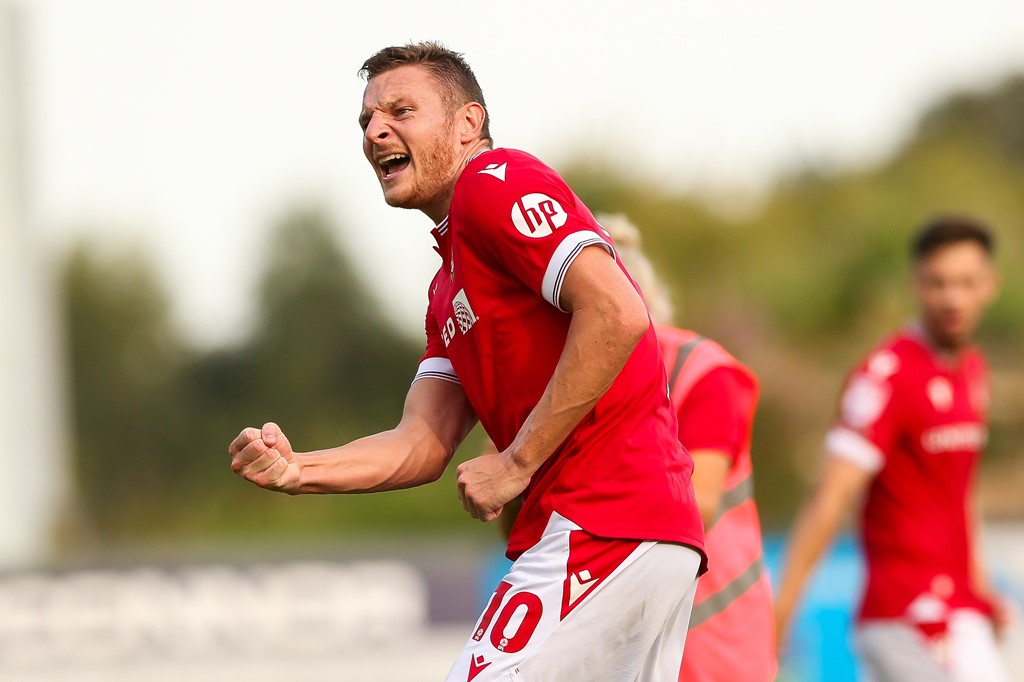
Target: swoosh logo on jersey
{"points": [[579, 584], [476, 666], [494, 170]]}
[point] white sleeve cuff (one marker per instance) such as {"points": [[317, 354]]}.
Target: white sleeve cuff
{"points": [[562, 258], [854, 448], [437, 368]]}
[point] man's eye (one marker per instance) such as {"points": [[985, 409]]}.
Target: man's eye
{"points": [[403, 110]]}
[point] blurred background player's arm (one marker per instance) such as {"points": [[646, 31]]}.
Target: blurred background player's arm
{"points": [[436, 419], [839, 485], [709, 470], [713, 425], [1002, 612]]}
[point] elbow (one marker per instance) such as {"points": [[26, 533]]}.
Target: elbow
{"points": [[426, 460], [412, 473], [433, 472], [620, 328], [633, 321]]}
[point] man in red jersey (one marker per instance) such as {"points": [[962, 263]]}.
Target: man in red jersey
{"points": [[732, 628], [534, 328], [911, 428]]}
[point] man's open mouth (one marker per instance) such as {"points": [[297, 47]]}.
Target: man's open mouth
{"points": [[392, 163]]}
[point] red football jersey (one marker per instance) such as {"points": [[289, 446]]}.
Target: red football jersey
{"points": [[493, 324], [916, 419]]}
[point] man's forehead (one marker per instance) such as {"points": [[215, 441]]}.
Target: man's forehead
{"points": [[408, 82], [959, 252]]}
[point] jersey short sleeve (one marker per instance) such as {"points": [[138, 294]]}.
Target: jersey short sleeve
{"points": [[523, 217], [435, 363], [867, 427], [712, 416]]}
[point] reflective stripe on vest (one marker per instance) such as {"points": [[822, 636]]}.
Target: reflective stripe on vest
{"points": [[681, 357], [720, 601], [732, 498]]}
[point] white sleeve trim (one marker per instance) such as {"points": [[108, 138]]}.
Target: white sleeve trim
{"points": [[562, 258], [854, 448], [437, 368]]}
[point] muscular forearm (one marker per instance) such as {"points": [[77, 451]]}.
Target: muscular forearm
{"points": [[436, 419], [600, 340], [401, 458]]}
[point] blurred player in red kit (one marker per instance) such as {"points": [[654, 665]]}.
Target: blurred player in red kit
{"points": [[911, 428], [533, 327]]}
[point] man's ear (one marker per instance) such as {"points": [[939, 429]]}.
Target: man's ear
{"points": [[471, 122]]}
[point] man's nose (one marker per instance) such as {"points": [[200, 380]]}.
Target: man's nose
{"points": [[376, 130]]}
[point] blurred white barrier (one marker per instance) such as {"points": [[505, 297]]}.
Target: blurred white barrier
{"points": [[287, 610], [1004, 552]]}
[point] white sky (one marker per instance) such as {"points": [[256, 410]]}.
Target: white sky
{"points": [[189, 126]]}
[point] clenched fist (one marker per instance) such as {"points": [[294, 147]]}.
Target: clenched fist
{"points": [[487, 482], [264, 457]]}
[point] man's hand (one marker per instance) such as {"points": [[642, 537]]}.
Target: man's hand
{"points": [[487, 482], [1003, 616], [264, 457]]}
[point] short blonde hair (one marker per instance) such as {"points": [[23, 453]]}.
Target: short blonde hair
{"points": [[627, 243]]}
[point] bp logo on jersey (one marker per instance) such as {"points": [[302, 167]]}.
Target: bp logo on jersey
{"points": [[538, 215]]}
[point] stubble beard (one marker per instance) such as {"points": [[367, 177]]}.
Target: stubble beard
{"points": [[434, 176], [945, 339]]}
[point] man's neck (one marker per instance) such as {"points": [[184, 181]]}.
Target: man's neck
{"points": [[947, 350], [438, 210]]}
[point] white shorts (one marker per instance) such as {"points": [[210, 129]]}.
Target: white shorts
{"points": [[575, 607], [894, 651]]}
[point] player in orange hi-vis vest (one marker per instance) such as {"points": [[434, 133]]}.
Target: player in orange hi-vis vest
{"points": [[732, 628]]}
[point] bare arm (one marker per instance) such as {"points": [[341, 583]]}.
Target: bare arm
{"points": [[436, 418], [981, 582], [817, 522], [709, 470], [608, 319]]}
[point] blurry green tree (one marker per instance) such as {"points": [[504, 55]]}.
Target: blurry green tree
{"points": [[127, 402], [813, 276], [798, 287], [153, 417]]}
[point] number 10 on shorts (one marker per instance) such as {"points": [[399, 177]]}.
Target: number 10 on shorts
{"points": [[501, 639]]}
